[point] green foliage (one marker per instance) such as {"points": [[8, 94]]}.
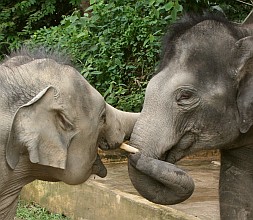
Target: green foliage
{"points": [[235, 10], [32, 211], [115, 45], [20, 18]]}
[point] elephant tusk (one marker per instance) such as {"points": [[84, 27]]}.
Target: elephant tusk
{"points": [[129, 148]]}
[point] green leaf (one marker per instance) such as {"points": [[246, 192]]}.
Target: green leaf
{"points": [[169, 6], [92, 2], [95, 73], [178, 7], [151, 2], [83, 33], [151, 38], [174, 14]]}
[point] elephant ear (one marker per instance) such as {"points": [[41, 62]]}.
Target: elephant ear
{"points": [[245, 79], [40, 128]]}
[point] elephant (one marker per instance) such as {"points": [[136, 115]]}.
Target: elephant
{"points": [[200, 98], [52, 123]]}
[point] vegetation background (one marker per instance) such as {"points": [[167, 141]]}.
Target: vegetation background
{"points": [[115, 44]]}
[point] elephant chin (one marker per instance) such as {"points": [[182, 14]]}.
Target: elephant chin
{"points": [[98, 168], [159, 181]]}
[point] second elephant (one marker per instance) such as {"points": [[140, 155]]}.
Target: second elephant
{"points": [[200, 99]]}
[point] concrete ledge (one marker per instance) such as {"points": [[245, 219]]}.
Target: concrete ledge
{"points": [[95, 201]]}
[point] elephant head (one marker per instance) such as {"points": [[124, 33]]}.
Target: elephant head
{"points": [[200, 98], [58, 120]]}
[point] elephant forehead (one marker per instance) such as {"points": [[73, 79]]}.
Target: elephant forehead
{"points": [[182, 78], [174, 76], [163, 85], [215, 92]]}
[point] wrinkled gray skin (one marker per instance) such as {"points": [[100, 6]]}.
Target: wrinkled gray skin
{"points": [[200, 99], [52, 123]]}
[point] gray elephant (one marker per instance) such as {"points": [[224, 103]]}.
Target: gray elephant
{"points": [[52, 123], [200, 98]]}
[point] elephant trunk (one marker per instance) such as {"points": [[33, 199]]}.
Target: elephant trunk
{"points": [[127, 121], [119, 126], [159, 181]]}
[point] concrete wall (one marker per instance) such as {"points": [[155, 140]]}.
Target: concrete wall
{"points": [[97, 201], [94, 201]]}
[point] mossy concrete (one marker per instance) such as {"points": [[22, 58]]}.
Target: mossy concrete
{"points": [[95, 201]]}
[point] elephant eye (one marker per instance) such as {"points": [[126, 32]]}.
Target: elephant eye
{"points": [[64, 123], [186, 97]]}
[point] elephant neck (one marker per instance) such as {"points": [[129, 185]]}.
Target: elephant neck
{"points": [[236, 183], [11, 184], [8, 204], [9, 195], [238, 157], [244, 140]]}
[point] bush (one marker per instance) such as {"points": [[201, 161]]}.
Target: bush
{"points": [[19, 19], [234, 10], [115, 45]]}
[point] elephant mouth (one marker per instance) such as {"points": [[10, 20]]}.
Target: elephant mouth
{"points": [[99, 168], [168, 156], [175, 154], [184, 147]]}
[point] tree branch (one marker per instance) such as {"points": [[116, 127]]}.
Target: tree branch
{"points": [[246, 3]]}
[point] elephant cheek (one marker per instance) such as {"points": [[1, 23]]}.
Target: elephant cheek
{"points": [[74, 178], [77, 171], [79, 163]]}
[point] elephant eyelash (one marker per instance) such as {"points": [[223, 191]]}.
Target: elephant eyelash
{"points": [[64, 122]]}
